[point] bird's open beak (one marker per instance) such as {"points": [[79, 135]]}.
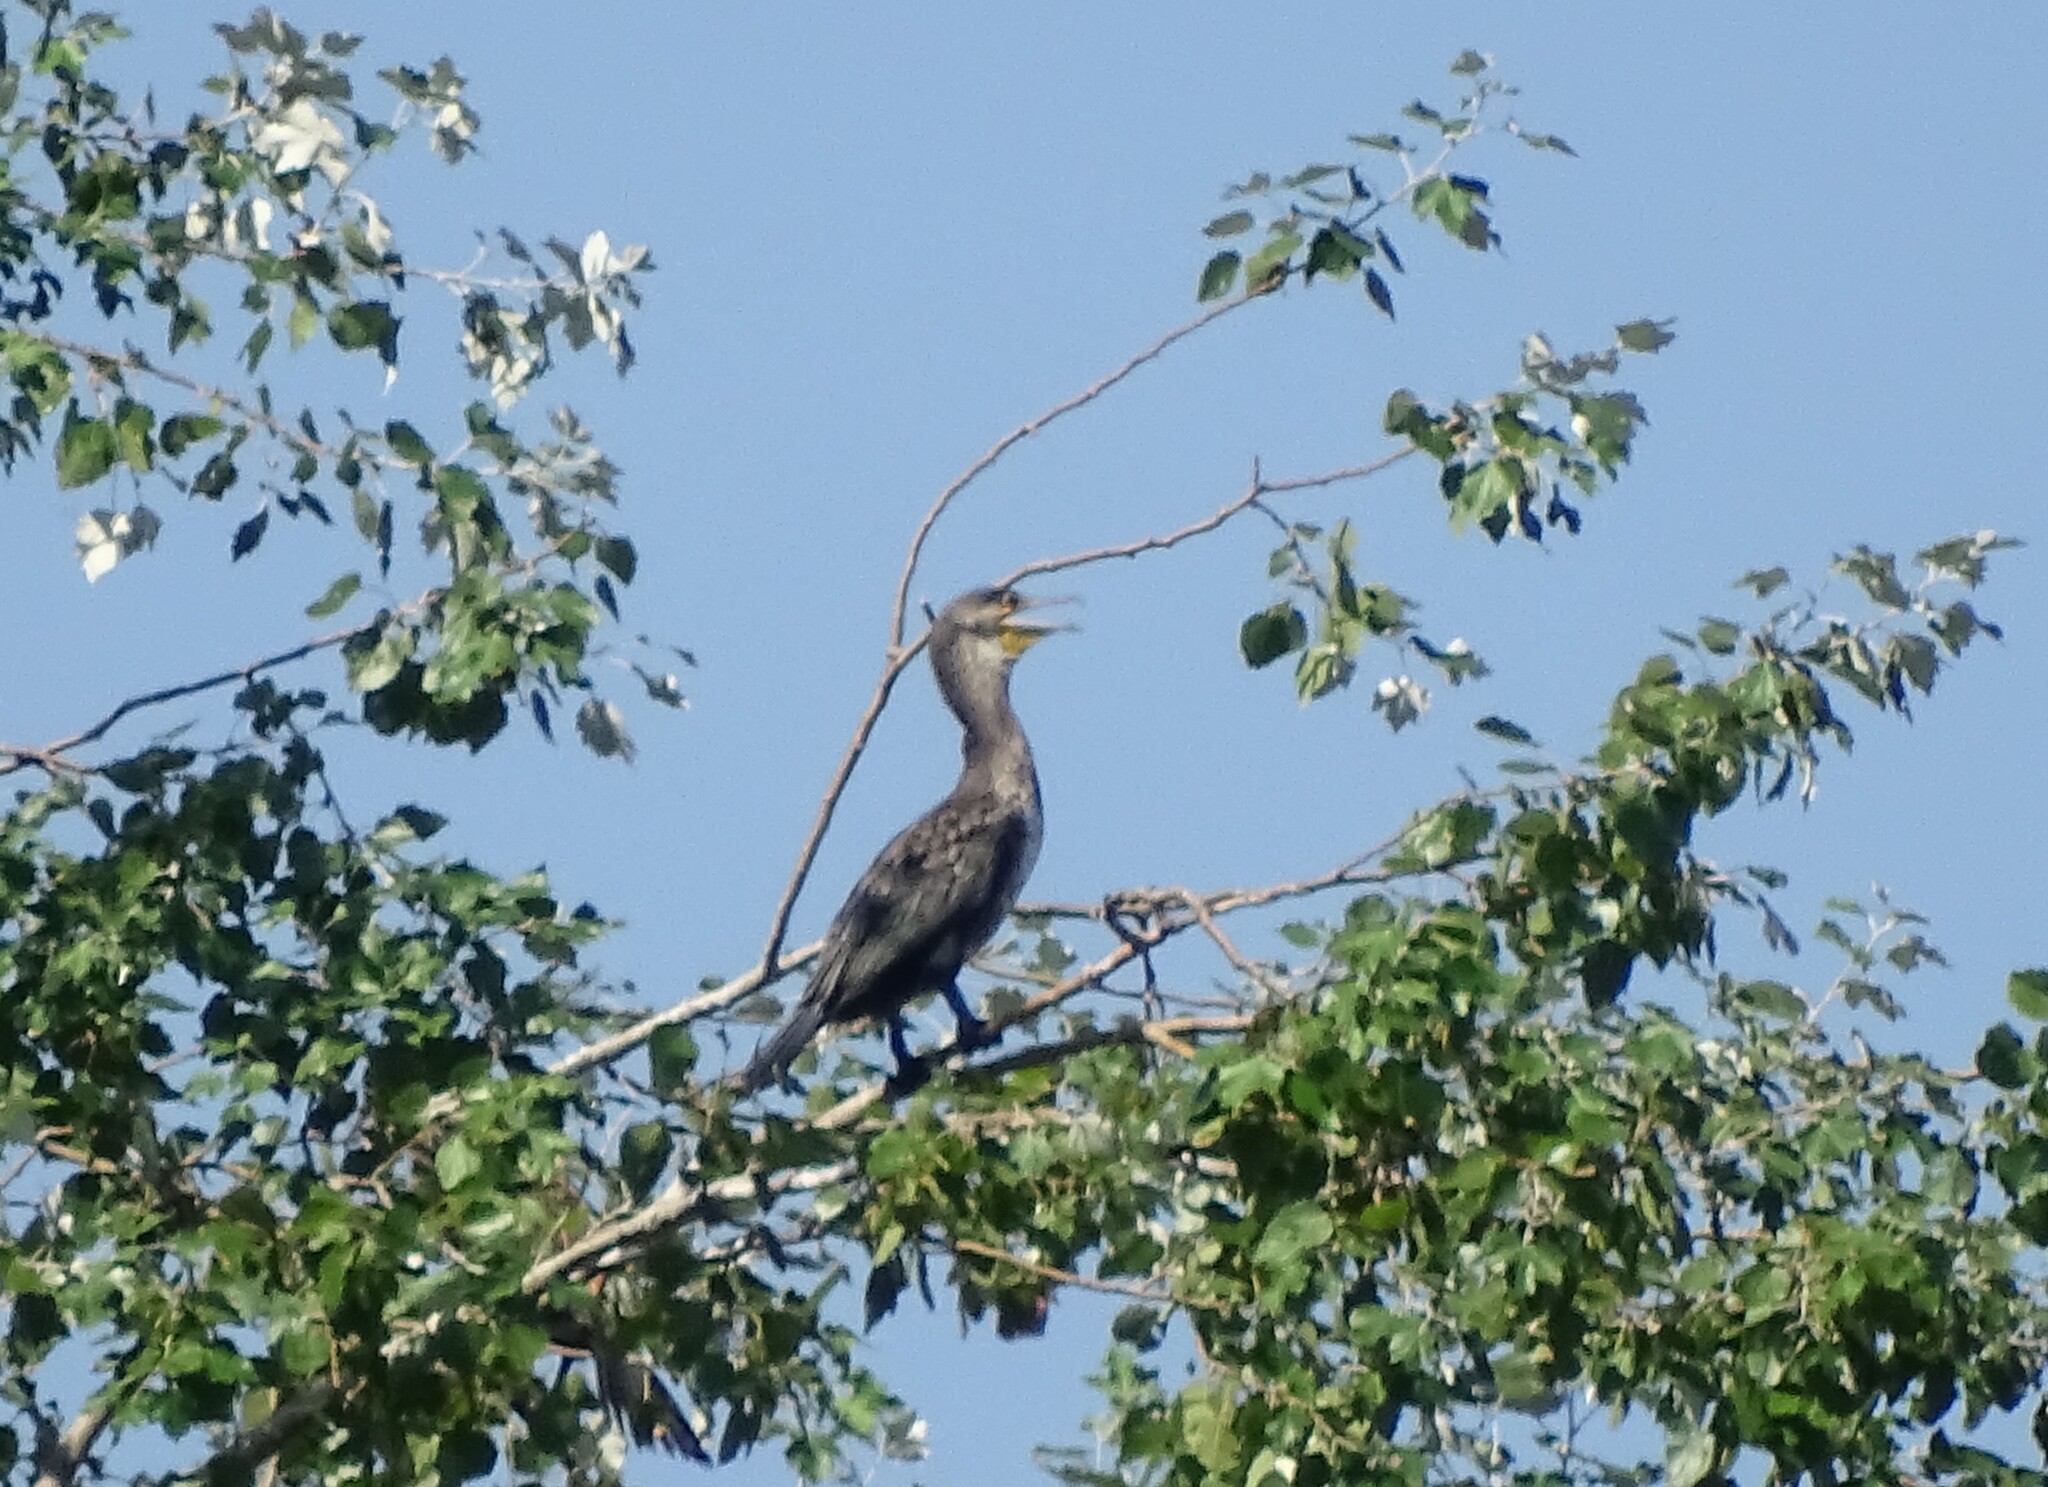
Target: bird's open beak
{"points": [[1019, 634]]}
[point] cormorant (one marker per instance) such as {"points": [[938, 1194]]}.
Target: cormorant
{"points": [[937, 893]]}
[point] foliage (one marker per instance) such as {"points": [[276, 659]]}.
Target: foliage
{"points": [[321, 1147]]}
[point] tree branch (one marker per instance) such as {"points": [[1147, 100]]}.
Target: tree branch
{"points": [[12, 758], [1024, 431], [1258, 488], [58, 1458], [1074, 1278], [681, 1200], [239, 1458], [689, 1009]]}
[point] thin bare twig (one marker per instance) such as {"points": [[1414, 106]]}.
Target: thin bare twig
{"points": [[1165, 1033], [1250, 497], [12, 758], [778, 926], [1244, 964], [1074, 1278], [1024, 431], [689, 1009]]}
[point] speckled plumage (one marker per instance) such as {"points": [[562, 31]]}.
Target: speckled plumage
{"points": [[939, 891]]}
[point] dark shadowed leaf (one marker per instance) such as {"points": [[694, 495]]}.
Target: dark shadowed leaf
{"points": [[248, 534], [1272, 633], [1376, 290], [1505, 731], [1219, 274]]}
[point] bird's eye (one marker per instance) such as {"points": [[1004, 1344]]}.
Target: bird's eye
{"points": [[1006, 601]]}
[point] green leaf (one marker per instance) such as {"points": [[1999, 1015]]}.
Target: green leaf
{"points": [[305, 1350], [249, 534], [407, 824], [1469, 64], [86, 450], [1763, 582], [1644, 335], [1295, 1229], [257, 344], [602, 727], [133, 423], [617, 554], [337, 594], [1487, 489], [1269, 264], [2028, 992], [215, 477], [1246, 1075], [407, 443], [1604, 972], [1219, 274], [1308, 175], [303, 321], [1272, 633], [644, 1151], [182, 430], [1719, 636], [2002, 1058], [456, 1163], [1335, 253], [363, 325], [671, 1058], [1689, 1455], [1230, 224]]}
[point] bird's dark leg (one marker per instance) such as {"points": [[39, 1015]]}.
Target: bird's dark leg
{"points": [[973, 1031], [907, 1063]]}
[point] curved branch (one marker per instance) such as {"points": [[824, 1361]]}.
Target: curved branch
{"points": [[240, 1457], [1024, 431], [778, 926], [689, 1009], [681, 1200], [50, 755], [1074, 1278], [1258, 488]]}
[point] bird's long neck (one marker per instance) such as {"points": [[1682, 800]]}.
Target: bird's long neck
{"points": [[992, 740]]}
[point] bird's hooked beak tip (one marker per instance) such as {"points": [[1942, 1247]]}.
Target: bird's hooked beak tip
{"points": [[1019, 635]]}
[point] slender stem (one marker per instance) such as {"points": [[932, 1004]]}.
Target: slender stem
{"points": [[12, 759]]}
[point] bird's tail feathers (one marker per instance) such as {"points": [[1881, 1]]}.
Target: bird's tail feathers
{"points": [[780, 1051], [636, 1398]]}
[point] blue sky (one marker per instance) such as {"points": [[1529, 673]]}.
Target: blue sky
{"points": [[888, 234]]}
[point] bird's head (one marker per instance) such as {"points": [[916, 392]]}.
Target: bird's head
{"points": [[993, 619]]}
